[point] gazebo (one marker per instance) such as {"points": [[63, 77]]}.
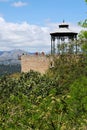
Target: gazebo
{"points": [[62, 35]]}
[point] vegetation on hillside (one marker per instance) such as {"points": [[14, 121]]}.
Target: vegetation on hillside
{"points": [[9, 69], [56, 100]]}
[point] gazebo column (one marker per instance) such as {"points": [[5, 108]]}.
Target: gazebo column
{"points": [[75, 38], [69, 42], [52, 45], [58, 45]]}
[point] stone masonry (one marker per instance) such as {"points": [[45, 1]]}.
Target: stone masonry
{"points": [[39, 63]]}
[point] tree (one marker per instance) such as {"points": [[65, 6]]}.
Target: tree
{"points": [[83, 34], [84, 23]]}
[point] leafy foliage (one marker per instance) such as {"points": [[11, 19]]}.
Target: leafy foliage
{"points": [[53, 101], [83, 24]]}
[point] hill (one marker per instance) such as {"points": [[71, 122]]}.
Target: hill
{"points": [[11, 57]]}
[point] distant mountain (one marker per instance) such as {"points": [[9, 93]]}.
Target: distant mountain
{"points": [[11, 57], [1, 52]]}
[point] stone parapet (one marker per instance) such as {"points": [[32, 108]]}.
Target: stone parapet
{"points": [[38, 63]]}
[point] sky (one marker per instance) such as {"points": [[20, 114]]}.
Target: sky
{"points": [[26, 24]]}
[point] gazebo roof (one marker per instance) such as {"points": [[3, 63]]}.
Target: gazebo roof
{"points": [[63, 30]]}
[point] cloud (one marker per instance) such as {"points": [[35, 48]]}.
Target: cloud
{"points": [[26, 36], [23, 36], [19, 4]]}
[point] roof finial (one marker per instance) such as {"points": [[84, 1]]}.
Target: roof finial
{"points": [[63, 21]]}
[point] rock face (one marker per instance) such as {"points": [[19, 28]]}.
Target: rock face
{"points": [[38, 63]]}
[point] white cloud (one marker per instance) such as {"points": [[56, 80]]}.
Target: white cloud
{"points": [[75, 27], [23, 36], [19, 4], [26, 36]]}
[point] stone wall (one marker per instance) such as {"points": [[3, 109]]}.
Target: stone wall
{"points": [[38, 63]]}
